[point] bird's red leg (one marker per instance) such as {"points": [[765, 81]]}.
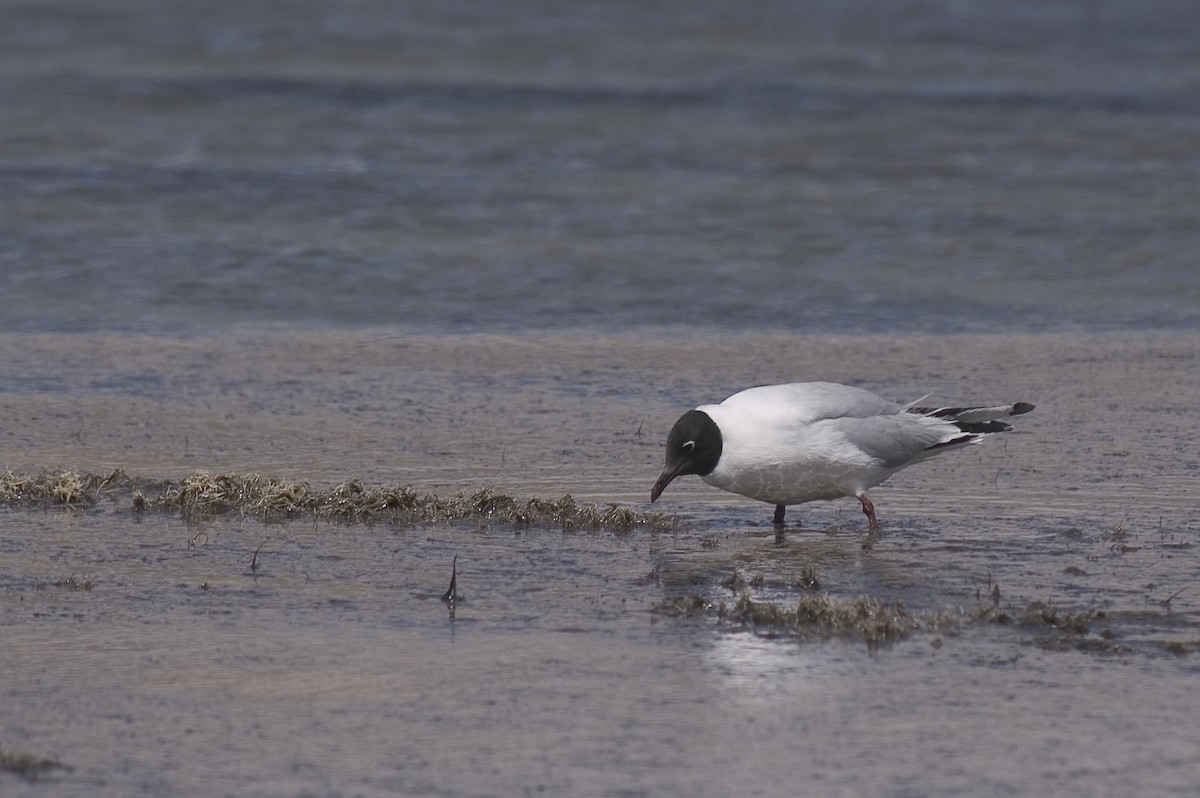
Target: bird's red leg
{"points": [[869, 511], [780, 509]]}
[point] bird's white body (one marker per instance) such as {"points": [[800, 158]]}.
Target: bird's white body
{"points": [[795, 443]]}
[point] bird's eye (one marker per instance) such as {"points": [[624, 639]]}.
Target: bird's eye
{"points": [[688, 447]]}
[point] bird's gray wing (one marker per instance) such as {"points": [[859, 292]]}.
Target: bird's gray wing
{"points": [[897, 440]]}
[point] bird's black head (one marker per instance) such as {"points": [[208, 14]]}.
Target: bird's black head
{"points": [[693, 447]]}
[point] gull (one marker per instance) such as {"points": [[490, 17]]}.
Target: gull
{"points": [[804, 441]]}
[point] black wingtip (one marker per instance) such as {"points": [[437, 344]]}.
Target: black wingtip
{"points": [[982, 427], [1020, 408]]}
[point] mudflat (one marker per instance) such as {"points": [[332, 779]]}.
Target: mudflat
{"points": [[1027, 623]]}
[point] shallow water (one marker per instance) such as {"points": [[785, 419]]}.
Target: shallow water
{"points": [[819, 167], [336, 669], [337, 672]]}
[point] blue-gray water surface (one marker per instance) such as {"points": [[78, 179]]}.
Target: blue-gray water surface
{"points": [[819, 166]]}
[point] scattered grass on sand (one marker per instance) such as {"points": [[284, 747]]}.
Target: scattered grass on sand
{"points": [[204, 495], [26, 765]]}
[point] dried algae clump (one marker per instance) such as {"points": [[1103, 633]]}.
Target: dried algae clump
{"points": [[823, 617], [205, 495], [57, 488], [689, 606], [1041, 616], [1181, 647], [76, 583], [26, 766]]}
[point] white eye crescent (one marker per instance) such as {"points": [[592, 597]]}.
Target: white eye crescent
{"points": [[688, 447]]}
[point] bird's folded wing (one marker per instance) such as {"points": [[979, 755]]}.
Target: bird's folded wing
{"points": [[897, 440]]}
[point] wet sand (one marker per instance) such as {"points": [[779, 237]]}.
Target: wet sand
{"points": [[144, 655]]}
